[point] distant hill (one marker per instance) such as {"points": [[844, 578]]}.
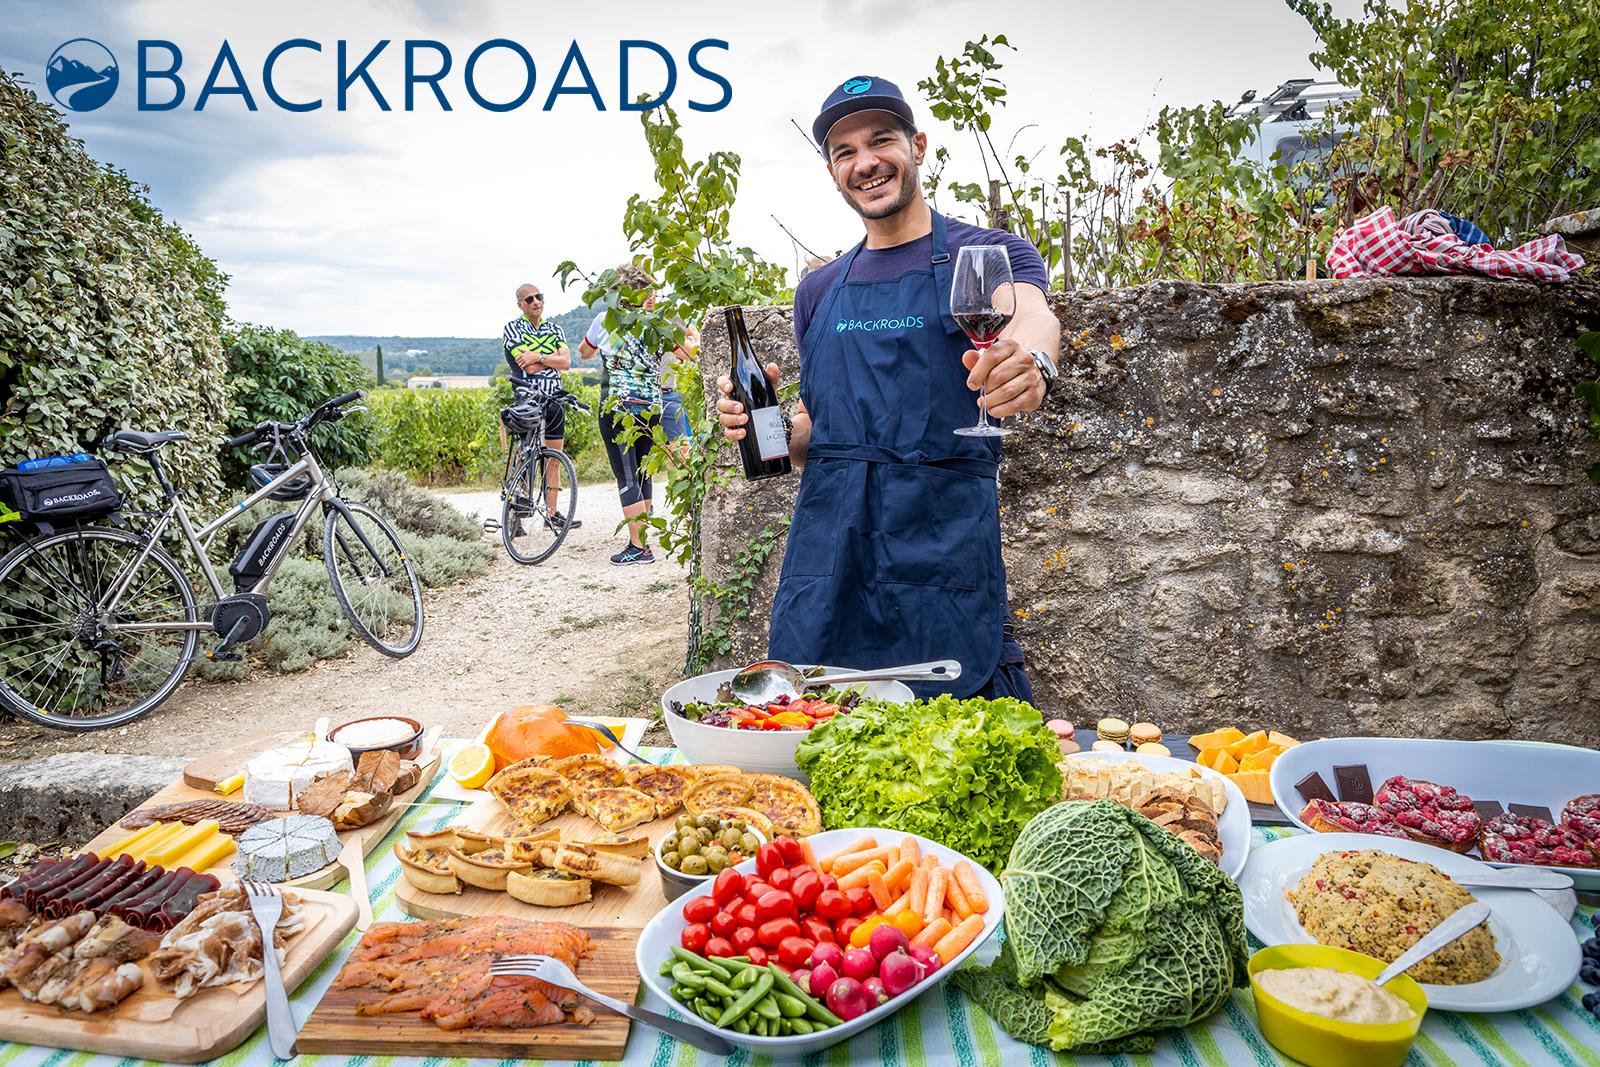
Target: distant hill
{"points": [[405, 356]]}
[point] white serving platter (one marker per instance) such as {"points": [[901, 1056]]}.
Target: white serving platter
{"points": [[450, 789], [1539, 954], [1511, 772], [663, 931], [1233, 827]]}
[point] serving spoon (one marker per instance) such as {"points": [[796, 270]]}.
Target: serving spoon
{"points": [[1455, 926], [766, 681]]}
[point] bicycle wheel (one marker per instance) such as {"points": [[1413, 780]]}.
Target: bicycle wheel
{"points": [[372, 579], [529, 528], [64, 660]]}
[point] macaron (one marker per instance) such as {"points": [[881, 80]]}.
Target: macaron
{"points": [[1153, 748], [1144, 733], [1062, 729], [1106, 746], [1113, 730]]}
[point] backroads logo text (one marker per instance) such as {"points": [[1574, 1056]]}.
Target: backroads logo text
{"points": [[83, 74], [910, 322]]}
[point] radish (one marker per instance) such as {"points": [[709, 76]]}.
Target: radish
{"points": [[875, 989], [886, 939], [829, 953], [822, 977], [801, 977], [859, 964], [927, 957], [848, 1000], [900, 972]]}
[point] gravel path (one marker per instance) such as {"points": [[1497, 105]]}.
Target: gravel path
{"points": [[575, 630]]}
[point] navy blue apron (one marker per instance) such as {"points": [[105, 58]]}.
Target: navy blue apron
{"points": [[893, 555]]}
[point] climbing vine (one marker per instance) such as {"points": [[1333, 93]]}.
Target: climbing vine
{"points": [[1589, 390]]}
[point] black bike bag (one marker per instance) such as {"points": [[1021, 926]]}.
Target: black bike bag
{"points": [[49, 497]]}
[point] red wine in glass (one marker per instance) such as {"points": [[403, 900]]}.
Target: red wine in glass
{"points": [[983, 328], [982, 301]]}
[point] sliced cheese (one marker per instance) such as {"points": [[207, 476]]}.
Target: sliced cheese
{"points": [[231, 784], [167, 831], [208, 853], [132, 841], [180, 844], [274, 778]]}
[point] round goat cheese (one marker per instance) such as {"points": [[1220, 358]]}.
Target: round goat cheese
{"points": [[280, 849], [274, 778]]}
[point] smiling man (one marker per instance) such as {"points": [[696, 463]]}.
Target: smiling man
{"points": [[894, 552]]}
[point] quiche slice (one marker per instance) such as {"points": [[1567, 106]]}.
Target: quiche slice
{"points": [[664, 785], [617, 808], [590, 772], [788, 804], [533, 795], [718, 791], [427, 868]]}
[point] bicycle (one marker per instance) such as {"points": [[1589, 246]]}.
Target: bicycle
{"points": [[98, 625], [539, 492]]}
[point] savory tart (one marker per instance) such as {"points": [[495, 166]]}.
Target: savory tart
{"points": [[526, 846], [664, 785], [427, 868], [616, 808], [702, 771], [548, 888], [749, 816], [588, 863], [590, 772], [471, 841], [438, 840], [486, 870], [533, 795], [634, 848], [786, 803], [718, 791]]}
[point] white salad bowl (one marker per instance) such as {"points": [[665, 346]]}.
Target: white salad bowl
{"points": [[665, 929], [762, 751]]}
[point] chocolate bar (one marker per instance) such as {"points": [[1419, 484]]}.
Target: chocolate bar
{"points": [[1487, 809], [1533, 811], [1314, 787], [1355, 784]]}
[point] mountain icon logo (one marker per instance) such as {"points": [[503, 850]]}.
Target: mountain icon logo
{"points": [[857, 86], [81, 75]]}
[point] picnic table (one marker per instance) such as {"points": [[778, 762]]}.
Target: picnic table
{"points": [[944, 1026]]}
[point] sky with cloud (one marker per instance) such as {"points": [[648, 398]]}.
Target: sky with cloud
{"points": [[423, 222]]}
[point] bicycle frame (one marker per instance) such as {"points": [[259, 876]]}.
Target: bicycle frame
{"points": [[199, 541]]}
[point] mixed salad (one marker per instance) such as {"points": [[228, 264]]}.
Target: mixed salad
{"points": [[784, 713]]}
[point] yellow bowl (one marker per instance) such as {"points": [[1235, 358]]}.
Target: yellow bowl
{"points": [[1322, 1042]]}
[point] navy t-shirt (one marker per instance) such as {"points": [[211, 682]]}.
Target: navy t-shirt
{"points": [[887, 264]]}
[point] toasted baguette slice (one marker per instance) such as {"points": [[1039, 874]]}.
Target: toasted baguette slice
{"points": [[548, 888]]}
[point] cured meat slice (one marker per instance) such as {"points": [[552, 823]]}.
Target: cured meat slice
{"points": [[232, 817], [1349, 817], [1431, 813], [1513, 838]]}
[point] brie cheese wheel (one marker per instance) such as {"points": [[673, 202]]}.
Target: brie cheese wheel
{"points": [[274, 778], [280, 849]]}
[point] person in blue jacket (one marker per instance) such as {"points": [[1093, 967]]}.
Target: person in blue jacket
{"points": [[893, 554]]}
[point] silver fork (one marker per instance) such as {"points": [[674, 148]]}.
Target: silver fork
{"points": [[266, 904], [549, 969]]}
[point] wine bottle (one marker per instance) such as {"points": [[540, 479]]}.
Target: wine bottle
{"points": [[764, 449]]}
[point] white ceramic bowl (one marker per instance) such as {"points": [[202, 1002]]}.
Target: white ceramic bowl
{"points": [[763, 751], [664, 930]]}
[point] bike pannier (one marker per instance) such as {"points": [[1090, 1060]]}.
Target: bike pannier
{"points": [[54, 496]]}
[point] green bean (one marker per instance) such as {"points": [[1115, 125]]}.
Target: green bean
{"points": [[747, 1000], [815, 1009], [792, 1007]]}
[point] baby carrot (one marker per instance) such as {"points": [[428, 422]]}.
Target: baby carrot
{"points": [[845, 864], [956, 897], [898, 874], [900, 905], [932, 933], [969, 885], [879, 891], [866, 842], [809, 854], [933, 904], [860, 875], [930, 862], [909, 850], [919, 890], [950, 945]]}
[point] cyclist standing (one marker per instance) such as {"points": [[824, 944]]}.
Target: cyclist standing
{"points": [[537, 353]]}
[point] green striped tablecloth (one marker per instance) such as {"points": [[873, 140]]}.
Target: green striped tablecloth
{"points": [[943, 1027]]}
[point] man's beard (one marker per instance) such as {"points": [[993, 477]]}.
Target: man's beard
{"points": [[908, 191]]}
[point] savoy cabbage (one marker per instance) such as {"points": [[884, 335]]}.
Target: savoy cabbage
{"points": [[1115, 931]]}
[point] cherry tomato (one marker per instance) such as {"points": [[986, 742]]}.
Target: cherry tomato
{"points": [[747, 915], [816, 929], [719, 946], [806, 888], [863, 933], [694, 937], [777, 904], [772, 933], [861, 902], [794, 951], [723, 924], [844, 928], [832, 905], [780, 878], [829, 882], [699, 910], [768, 859], [789, 849], [757, 954], [743, 937], [754, 889], [728, 887], [907, 922]]}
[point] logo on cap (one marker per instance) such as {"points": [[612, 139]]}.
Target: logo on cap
{"points": [[857, 86]]}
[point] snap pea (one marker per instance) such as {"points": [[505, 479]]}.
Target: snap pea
{"points": [[683, 993], [702, 963], [666, 967], [708, 1013], [747, 1000], [743, 980], [686, 975], [741, 1025], [814, 1009], [801, 1026], [767, 1008], [791, 1007], [720, 989], [760, 1027]]}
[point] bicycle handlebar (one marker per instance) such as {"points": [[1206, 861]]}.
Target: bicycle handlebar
{"points": [[328, 409]]}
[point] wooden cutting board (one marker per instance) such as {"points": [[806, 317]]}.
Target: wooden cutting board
{"points": [[205, 772], [154, 1025], [335, 1028], [630, 907], [369, 835]]}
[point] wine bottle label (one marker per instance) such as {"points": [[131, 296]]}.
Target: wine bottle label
{"points": [[767, 423]]}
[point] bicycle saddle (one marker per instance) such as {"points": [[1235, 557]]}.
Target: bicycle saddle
{"points": [[139, 441]]}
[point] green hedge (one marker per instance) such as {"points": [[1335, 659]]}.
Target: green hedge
{"points": [[109, 314]]}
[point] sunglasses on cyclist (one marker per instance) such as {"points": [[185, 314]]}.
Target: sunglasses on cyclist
{"points": [[532, 298]]}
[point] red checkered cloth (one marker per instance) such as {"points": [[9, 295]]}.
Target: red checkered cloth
{"points": [[1424, 243]]}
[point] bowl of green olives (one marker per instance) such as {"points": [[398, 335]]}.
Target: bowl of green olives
{"points": [[700, 847]]}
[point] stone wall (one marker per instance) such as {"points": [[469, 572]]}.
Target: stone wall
{"points": [[1330, 507]]}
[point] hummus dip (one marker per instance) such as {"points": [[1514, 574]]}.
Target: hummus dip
{"points": [[1332, 994]]}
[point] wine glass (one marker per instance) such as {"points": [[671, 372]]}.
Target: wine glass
{"points": [[982, 301]]}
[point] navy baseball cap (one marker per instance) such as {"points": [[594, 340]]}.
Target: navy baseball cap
{"points": [[861, 93]]}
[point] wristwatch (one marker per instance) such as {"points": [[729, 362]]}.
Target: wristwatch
{"points": [[1047, 368]]}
